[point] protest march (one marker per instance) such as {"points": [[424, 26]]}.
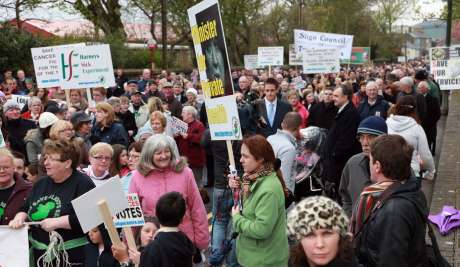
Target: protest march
{"points": [[312, 153]]}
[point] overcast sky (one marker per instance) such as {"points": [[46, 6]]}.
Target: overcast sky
{"points": [[428, 7]]}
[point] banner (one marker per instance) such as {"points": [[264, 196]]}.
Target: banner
{"points": [[46, 64], [131, 216], [295, 58], [176, 125], [251, 62], [359, 56], [401, 59], [224, 123], [14, 247], [445, 66], [270, 56], [21, 100], [210, 49], [308, 39], [321, 60], [85, 67]]}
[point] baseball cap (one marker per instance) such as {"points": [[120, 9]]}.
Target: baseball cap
{"points": [[47, 119]]}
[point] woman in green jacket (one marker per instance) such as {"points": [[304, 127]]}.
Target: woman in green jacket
{"points": [[261, 221]]}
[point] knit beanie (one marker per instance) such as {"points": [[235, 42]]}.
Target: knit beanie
{"points": [[315, 213], [373, 125], [10, 104]]}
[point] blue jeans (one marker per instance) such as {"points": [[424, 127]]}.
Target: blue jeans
{"points": [[221, 243]]}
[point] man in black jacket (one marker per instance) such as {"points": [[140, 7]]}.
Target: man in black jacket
{"points": [[270, 110], [390, 218], [322, 114], [433, 113], [341, 143], [16, 126]]}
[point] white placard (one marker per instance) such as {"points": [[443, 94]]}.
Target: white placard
{"points": [[295, 59], [445, 66], [85, 67], [401, 59], [224, 123], [270, 56], [21, 100], [14, 247], [176, 125], [46, 64], [132, 216], [308, 39], [321, 60], [86, 206], [251, 62]]}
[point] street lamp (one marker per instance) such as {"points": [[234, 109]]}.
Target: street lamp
{"points": [[152, 45]]}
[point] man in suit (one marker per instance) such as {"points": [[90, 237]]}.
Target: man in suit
{"points": [[433, 113], [270, 110], [341, 143]]}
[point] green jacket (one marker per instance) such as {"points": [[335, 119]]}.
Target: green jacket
{"points": [[262, 239]]}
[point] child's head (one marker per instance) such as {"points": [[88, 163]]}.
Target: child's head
{"points": [[95, 236], [170, 209], [148, 231]]}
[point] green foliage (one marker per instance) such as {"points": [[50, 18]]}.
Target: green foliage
{"points": [[15, 48]]}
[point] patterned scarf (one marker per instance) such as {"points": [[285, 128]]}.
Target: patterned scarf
{"points": [[250, 178], [368, 201]]}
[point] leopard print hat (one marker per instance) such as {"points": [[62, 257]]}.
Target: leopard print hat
{"points": [[314, 213]]}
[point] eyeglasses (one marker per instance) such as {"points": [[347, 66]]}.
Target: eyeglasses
{"points": [[102, 158], [132, 156], [5, 168], [48, 158], [66, 130]]}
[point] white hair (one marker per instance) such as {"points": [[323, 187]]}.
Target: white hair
{"points": [[408, 81], [190, 110]]}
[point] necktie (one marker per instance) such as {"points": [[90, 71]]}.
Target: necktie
{"points": [[271, 113]]}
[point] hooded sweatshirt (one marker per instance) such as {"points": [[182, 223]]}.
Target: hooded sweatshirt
{"points": [[408, 128]]}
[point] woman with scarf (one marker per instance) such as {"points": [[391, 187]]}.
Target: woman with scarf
{"points": [[259, 218]]}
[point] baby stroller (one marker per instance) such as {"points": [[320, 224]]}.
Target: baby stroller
{"points": [[309, 166]]}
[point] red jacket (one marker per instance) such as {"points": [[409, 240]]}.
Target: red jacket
{"points": [[191, 147], [16, 201]]}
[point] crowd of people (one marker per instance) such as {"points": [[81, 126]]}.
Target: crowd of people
{"points": [[329, 171]]}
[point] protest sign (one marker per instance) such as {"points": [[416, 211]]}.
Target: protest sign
{"points": [[308, 39], [250, 62], [86, 205], [324, 60], [270, 56], [86, 66], [46, 64], [401, 59], [210, 48], [14, 247], [295, 58], [176, 125], [445, 66], [359, 56], [132, 216], [224, 123], [20, 99]]}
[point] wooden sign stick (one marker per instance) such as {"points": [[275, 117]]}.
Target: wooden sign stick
{"points": [[108, 222], [67, 97]]}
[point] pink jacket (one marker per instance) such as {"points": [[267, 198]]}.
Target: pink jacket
{"points": [[159, 182]]}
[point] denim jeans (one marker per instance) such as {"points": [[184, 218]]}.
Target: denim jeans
{"points": [[221, 243]]}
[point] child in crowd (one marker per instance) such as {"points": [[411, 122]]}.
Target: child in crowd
{"points": [[119, 164], [171, 247], [98, 252]]}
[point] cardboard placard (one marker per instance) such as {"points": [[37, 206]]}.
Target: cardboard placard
{"points": [[321, 60], [223, 119], [251, 62], [132, 216], [14, 247], [20, 99], [316, 40], [270, 56], [177, 125], [86, 206], [445, 66]]}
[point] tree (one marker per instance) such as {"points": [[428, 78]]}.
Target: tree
{"points": [[104, 14], [19, 6], [388, 12]]}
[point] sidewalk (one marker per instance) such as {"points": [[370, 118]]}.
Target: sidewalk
{"points": [[446, 189]]}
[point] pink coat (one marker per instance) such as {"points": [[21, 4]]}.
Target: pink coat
{"points": [[159, 182]]}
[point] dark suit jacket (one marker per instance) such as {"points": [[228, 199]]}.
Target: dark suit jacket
{"points": [[341, 142], [433, 113], [263, 126]]}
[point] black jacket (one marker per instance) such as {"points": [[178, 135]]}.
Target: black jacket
{"points": [[394, 235], [380, 108], [432, 115], [261, 117], [114, 134], [322, 115], [420, 102], [17, 130], [341, 143], [105, 259]]}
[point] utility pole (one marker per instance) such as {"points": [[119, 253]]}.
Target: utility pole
{"points": [[446, 93], [300, 14], [164, 34]]}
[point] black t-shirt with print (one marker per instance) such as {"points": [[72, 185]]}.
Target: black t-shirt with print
{"points": [[52, 200], [4, 196]]}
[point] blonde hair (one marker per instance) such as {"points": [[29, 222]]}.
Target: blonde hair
{"points": [[155, 104], [7, 153], [100, 147], [58, 127], [107, 108], [157, 115]]}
